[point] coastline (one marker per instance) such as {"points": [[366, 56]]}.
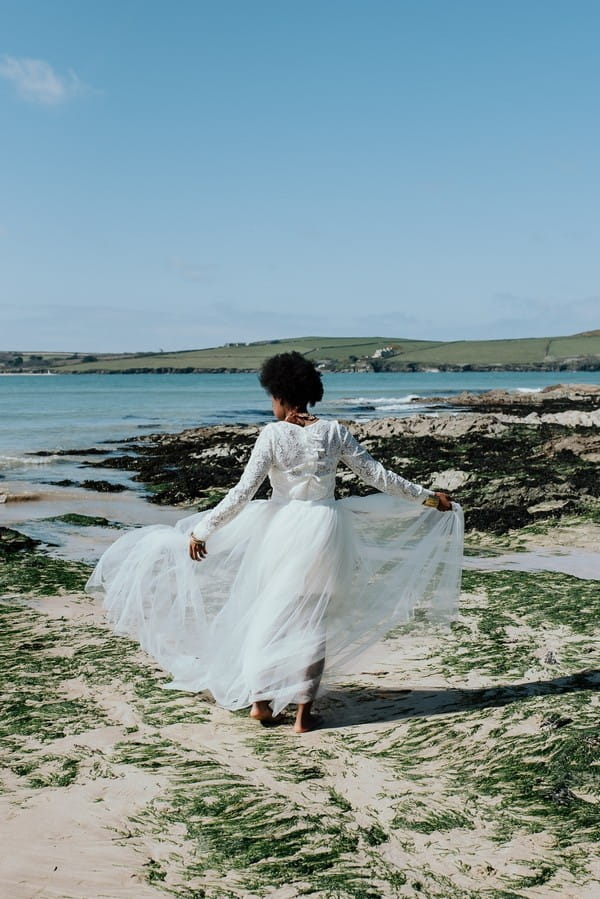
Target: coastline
{"points": [[457, 761], [409, 368], [575, 352]]}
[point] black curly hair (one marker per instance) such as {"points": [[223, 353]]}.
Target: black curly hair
{"points": [[293, 379]]}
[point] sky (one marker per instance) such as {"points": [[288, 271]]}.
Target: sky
{"points": [[183, 174]]}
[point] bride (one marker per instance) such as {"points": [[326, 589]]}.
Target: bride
{"points": [[290, 590]]}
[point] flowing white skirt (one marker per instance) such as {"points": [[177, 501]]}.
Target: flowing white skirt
{"points": [[287, 592]]}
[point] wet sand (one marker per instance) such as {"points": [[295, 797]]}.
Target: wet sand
{"points": [[581, 563], [32, 509]]}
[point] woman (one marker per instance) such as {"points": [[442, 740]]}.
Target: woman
{"points": [[291, 589]]}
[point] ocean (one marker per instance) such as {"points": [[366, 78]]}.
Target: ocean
{"points": [[74, 412]]}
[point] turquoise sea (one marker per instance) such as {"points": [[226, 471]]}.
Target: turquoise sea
{"points": [[62, 412]]}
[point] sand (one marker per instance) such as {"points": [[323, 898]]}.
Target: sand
{"points": [[437, 770]]}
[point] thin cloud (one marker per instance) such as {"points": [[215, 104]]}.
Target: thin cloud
{"points": [[36, 81], [192, 271]]}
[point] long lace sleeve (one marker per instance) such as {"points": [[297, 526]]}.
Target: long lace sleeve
{"points": [[372, 472], [254, 474]]}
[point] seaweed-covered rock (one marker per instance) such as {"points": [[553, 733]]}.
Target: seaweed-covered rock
{"points": [[196, 466], [103, 486], [506, 471], [12, 541]]}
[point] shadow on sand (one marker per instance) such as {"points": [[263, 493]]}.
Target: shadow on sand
{"points": [[342, 707]]}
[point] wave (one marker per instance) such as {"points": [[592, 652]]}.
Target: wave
{"points": [[528, 389], [23, 461], [375, 400], [377, 403], [24, 497]]}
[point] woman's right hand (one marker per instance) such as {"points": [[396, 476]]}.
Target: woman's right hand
{"points": [[197, 549]]}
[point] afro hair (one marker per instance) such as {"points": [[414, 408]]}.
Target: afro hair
{"points": [[293, 379]]}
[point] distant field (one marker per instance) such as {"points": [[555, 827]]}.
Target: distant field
{"points": [[562, 347], [336, 351], [577, 351]]}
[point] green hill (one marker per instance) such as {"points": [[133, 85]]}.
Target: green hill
{"points": [[576, 352]]}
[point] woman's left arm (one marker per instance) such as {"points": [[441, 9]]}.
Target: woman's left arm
{"points": [[233, 502], [361, 462]]}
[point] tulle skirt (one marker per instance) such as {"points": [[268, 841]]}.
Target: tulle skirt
{"points": [[289, 595]]}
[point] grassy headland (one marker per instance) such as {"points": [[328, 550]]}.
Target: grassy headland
{"points": [[576, 352]]}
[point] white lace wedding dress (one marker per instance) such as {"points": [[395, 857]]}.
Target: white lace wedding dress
{"points": [[288, 581]]}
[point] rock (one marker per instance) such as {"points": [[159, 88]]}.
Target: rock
{"points": [[549, 506], [450, 480], [91, 451], [561, 795], [212, 452], [422, 425], [13, 541], [104, 486], [556, 398], [587, 447], [555, 722], [573, 419]]}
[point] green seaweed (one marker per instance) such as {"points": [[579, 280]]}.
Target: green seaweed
{"points": [[266, 838], [41, 575], [58, 772], [85, 521], [340, 801], [290, 761], [507, 611], [33, 702], [419, 816], [155, 873], [546, 779]]}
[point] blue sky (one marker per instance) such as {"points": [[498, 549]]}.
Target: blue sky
{"points": [[182, 174]]}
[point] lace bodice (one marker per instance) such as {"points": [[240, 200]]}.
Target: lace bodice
{"points": [[301, 463]]}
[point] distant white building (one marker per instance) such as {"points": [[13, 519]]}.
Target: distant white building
{"points": [[383, 352]]}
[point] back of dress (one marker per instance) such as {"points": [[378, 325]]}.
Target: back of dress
{"points": [[304, 461]]}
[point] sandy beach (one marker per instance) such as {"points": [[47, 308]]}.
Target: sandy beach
{"points": [[458, 762]]}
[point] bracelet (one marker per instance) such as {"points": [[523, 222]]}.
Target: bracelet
{"points": [[432, 501]]}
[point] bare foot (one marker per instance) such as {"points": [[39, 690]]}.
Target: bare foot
{"points": [[305, 723], [261, 711]]}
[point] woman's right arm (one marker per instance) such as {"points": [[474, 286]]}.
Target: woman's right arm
{"points": [[254, 474], [372, 472]]}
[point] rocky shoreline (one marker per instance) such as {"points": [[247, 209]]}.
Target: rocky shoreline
{"points": [[553, 399], [509, 459]]}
